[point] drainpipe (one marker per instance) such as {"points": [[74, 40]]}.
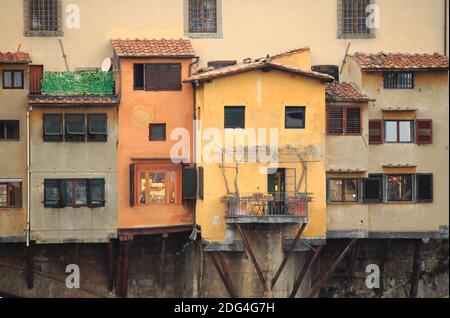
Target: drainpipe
{"points": [[28, 177]]}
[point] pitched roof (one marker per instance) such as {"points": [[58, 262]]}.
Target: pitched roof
{"points": [[401, 61], [290, 52], [153, 48], [344, 92], [15, 58], [248, 65]]}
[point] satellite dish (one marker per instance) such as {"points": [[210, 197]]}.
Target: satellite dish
{"points": [[106, 64]]}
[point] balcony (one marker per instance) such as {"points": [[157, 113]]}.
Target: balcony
{"points": [[67, 88], [269, 208]]}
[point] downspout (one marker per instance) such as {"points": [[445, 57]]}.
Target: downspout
{"points": [[28, 177]]}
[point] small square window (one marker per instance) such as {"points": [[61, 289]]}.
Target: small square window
{"points": [[10, 195], [13, 79], [97, 127], [343, 190], [399, 188], [157, 132], [294, 117], [75, 127], [9, 130], [202, 16], [234, 117]]}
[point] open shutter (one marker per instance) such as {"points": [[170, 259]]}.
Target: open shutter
{"points": [[175, 77], [201, 183], [151, 77], [373, 189], [424, 187], [132, 184], [375, 131], [189, 183], [424, 131]]}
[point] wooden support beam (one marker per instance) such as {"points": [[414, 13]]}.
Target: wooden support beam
{"points": [[29, 261], [353, 261], [162, 268], [252, 257], [227, 275], [110, 264], [125, 242], [328, 273], [306, 268], [222, 276], [383, 257], [415, 274], [288, 254]]}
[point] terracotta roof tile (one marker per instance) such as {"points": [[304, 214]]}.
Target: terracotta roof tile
{"points": [[248, 65], [344, 92], [401, 61], [72, 100], [15, 58], [153, 48]]}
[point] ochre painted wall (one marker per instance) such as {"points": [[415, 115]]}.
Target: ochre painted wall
{"points": [[137, 110]]}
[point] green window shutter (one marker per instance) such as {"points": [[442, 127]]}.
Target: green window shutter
{"points": [[201, 182], [424, 187], [189, 183]]}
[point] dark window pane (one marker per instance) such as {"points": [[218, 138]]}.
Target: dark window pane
{"points": [[353, 121], [12, 130], [138, 76], [97, 127], [97, 192], [351, 190], [157, 132], [373, 189], [7, 79], [234, 117], [75, 127], [295, 117], [51, 193], [399, 187], [425, 187], [335, 120], [2, 130], [80, 192], [10, 195], [399, 80], [53, 127]]}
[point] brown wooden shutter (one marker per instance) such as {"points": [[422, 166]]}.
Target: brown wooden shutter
{"points": [[36, 73], [175, 77], [375, 131], [151, 77], [424, 131], [353, 122], [201, 183], [132, 184], [424, 187], [138, 76], [163, 76], [335, 120]]}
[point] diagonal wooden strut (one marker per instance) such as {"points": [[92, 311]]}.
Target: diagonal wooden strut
{"points": [[224, 275], [287, 255], [328, 273], [306, 267], [252, 257]]}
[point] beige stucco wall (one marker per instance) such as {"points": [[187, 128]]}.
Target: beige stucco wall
{"points": [[13, 106], [430, 98], [65, 160], [251, 28]]}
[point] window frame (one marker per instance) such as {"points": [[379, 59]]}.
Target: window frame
{"points": [[154, 125], [413, 132], [413, 188], [22, 74], [193, 27], [342, 32], [52, 138], [28, 21], [343, 201], [395, 85], [218, 34], [68, 137], [225, 126], [302, 108], [104, 137], [5, 129], [61, 186], [8, 185], [345, 120]]}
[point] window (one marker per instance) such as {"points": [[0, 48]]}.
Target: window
{"points": [[399, 188], [294, 117], [157, 77], [43, 18], [9, 130], [343, 120], [352, 18], [424, 131], [53, 127], [13, 79], [201, 181], [221, 64], [234, 117], [74, 193], [373, 189], [202, 16], [375, 131], [424, 187], [189, 183], [75, 129], [398, 131], [157, 132], [10, 194], [156, 186], [97, 127], [398, 80], [343, 190]]}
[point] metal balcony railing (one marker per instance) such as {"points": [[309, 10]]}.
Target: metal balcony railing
{"points": [[267, 204]]}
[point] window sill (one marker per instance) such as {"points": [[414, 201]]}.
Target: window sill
{"points": [[216, 35], [44, 33], [356, 36]]}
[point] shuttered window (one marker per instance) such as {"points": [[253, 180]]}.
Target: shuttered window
{"points": [[61, 193], [398, 80], [424, 131], [75, 127], [375, 131], [424, 187], [343, 120], [157, 77], [373, 189], [97, 127], [96, 193], [189, 183], [53, 127]]}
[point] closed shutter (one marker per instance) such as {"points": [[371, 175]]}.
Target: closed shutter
{"points": [[335, 120], [189, 183], [373, 189], [175, 77], [163, 76], [424, 131], [375, 131], [353, 120], [132, 184], [201, 183], [138, 76], [424, 187], [151, 77]]}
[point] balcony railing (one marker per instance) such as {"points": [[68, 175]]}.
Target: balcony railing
{"points": [[271, 206]]}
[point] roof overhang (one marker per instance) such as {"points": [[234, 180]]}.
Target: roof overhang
{"points": [[73, 100]]}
